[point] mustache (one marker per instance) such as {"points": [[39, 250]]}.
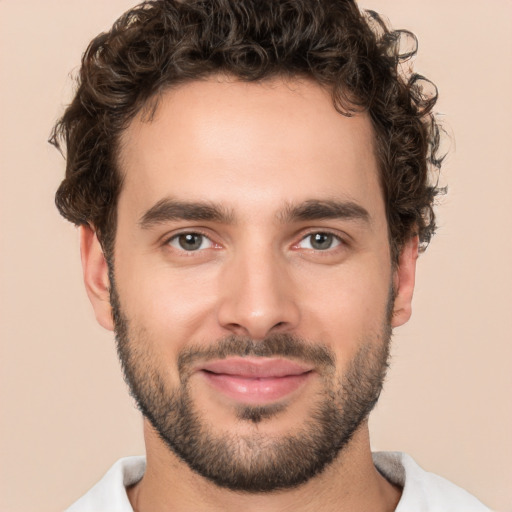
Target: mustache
{"points": [[274, 345]]}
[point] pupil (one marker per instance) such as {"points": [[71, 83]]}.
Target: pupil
{"points": [[321, 241], [190, 241]]}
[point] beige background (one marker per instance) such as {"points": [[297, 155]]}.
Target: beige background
{"points": [[65, 413]]}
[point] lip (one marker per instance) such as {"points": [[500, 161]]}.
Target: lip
{"points": [[255, 380]]}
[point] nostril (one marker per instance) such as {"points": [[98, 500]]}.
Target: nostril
{"points": [[238, 329]]}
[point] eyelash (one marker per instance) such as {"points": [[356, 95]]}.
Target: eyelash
{"points": [[336, 238], [185, 233]]}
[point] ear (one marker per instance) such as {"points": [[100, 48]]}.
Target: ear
{"points": [[95, 272], [403, 281]]}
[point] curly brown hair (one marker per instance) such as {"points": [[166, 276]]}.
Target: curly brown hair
{"points": [[164, 43]]}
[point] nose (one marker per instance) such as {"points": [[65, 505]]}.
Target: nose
{"points": [[257, 295]]}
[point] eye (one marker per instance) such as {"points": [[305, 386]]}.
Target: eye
{"points": [[319, 241], [190, 242]]}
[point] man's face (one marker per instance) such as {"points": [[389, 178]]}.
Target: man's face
{"points": [[253, 280]]}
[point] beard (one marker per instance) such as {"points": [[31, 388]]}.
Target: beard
{"points": [[255, 462]]}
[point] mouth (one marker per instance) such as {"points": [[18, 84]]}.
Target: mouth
{"points": [[256, 380]]}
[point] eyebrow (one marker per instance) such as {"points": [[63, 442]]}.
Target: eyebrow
{"points": [[324, 209], [169, 209]]}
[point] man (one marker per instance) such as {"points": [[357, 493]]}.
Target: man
{"points": [[253, 182]]}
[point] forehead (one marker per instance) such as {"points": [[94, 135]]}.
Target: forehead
{"points": [[247, 145]]}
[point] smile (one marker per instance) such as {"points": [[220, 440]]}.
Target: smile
{"points": [[255, 380]]}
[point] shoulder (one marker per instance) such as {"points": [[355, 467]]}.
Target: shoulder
{"points": [[110, 492], [424, 491]]}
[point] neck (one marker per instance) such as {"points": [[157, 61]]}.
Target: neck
{"points": [[350, 483]]}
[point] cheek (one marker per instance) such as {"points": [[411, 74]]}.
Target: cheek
{"points": [[347, 305], [172, 306]]}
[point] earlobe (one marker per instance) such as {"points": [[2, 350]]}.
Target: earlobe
{"points": [[95, 272], [403, 280]]}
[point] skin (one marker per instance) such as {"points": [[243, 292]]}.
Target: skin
{"points": [[254, 150]]}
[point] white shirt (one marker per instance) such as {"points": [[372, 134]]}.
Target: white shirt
{"points": [[422, 491]]}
